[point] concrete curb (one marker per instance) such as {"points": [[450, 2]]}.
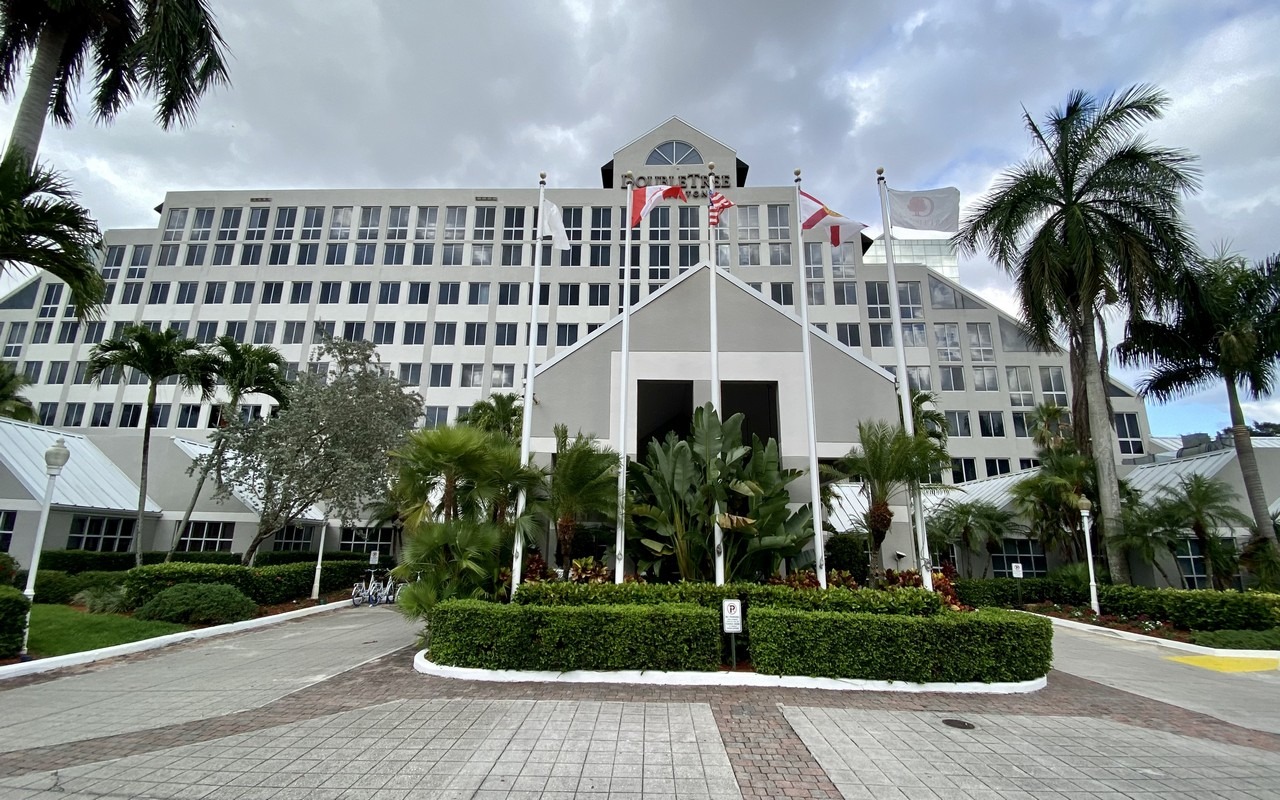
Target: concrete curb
{"points": [[1156, 641], [654, 678], [89, 656]]}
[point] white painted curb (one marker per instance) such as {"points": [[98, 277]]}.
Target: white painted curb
{"points": [[156, 642], [421, 664], [1156, 641]]}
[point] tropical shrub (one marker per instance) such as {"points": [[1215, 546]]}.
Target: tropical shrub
{"points": [[1240, 640], [983, 646], [472, 633], [1016, 592], [13, 619], [847, 552], [8, 569], [102, 599], [198, 604], [265, 585], [54, 587], [1189, 609]]}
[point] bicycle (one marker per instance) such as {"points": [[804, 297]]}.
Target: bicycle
{"points": [[400, 587], [371, 591]]}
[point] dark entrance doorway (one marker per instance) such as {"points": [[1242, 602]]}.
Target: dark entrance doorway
{"points": [[758, 402], [662, 407]]}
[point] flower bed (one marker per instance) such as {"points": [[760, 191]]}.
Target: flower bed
{"points": [[1139, 624]]}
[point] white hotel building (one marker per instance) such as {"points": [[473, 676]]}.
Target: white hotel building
{"points": [[441, 281]]}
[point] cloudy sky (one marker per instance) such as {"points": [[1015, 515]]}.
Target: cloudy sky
{"points": [[332, 94]]}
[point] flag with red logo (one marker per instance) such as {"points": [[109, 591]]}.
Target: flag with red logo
{"points": [[815, 215], [930, 210], [719, 204], [643, 200]]}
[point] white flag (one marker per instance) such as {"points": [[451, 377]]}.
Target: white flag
{"points": [[931, 210], [553, 225]]}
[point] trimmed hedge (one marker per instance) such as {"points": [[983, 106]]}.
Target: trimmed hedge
{"points": [[1010, 592], [912, 602], [1240, 640], [198, 604], [55, 587], [264, 585], [13, 618], [272, 558], [74, 562], [665, 636], [1189, 609], [981, 646]]}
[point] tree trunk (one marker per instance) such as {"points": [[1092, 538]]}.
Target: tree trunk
{"points": [[1080, 427], [28, 125], [1103, 452], [191, 507], [564, 536], [142, 484], [1253, 487]]}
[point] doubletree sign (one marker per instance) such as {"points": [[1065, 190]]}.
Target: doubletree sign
{"points": [[694, 185]]}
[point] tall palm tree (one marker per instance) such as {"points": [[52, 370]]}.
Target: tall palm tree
{"points": [[500, 413], [1204, 506], [42, 226], [584, 484], [170, 49], [927, 418], [243, 369], [887, 461], [977, 526], [157, 356], [446, 473], [1092, 221], [1225, 326], [1050, 426], [12, 404]]}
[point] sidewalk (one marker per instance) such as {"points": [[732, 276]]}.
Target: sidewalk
{"points": [[1248, 699], [217, 677]]}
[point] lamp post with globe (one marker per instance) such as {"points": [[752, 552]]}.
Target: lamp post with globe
{"points": [[55, 458]]}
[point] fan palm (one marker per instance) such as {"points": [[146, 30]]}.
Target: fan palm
{"points": [[454, 559], [584, 485], [167, 48], [500, 413], [445, 473], [157, 356], [243, 369], [1204, 506], [42, 226], [1092, 221], [1225, 326], [976, 526], [12, 404]]}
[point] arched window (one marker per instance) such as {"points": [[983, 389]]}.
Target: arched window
{"points": [[673, 152]]}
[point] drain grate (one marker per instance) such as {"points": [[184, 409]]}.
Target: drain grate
{"points": [[958, 723]]}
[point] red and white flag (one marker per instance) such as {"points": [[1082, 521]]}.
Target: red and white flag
{"points": [[643, 200], [814, 215], [719, 205]]}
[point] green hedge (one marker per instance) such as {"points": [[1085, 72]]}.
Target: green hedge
{"points": [[1240, 640], [667, 636], [1012, 592], [1189, 609], [74, 562], [13, 618], [272, 558], [913, 602], [264, 585], [55, 587], [982, 646], [198, 604]]}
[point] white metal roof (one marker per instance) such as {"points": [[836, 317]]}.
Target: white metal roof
{"points": [[89, 480], [1150, 477], [248, 500], [1174, 443], [849, 504]]}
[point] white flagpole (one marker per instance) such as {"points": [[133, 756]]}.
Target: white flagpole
{"points": [[526, 421], [819, 536], [715, 356], [624, 387], [904, 389]]}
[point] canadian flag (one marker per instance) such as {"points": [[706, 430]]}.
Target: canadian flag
{"points": [[643, 200]]}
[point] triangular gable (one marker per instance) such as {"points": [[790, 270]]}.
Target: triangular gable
{"points": [[668, 120]]}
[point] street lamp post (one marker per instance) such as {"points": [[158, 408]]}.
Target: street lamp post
{"points": [[55, 458], [1085, 507]]}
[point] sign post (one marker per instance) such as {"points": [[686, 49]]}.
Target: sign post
{"points": [[373, 559], [731, 613], [1017, 573]]}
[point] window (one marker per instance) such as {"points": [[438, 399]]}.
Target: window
{"points": [[1020, 391], [205, 537], [189, 415], [393, 254], [672, 153], [952, 378], [195, 255], [229, 227], [483, 228], [847, 333], [601, 223], [781, 293], [286, 219], [504, 333], [455, 223], [946, 340], [257, 228], [201, 224], [919, 379], [398, 223], [175, 222], [73, 415], [411, 374], [472, 375], [293, 332], [504, 376], [958, 423], [365, 252], [279, 255], [881, 334], [222, 254], [435, 416], [512, 255], [353, 331], [264, 332], [308, 254], [1027, 552], [112, 263], [335, 254], [168, 256], [689, 223], [779, 234], [389, 292], [300, 292], [991, 423], [1129, 434], [340, 223], [424, 228], [236, 330], [419, 293], [132, 294], [997, 466], [445, 332], [206, 332], [13, 344], [598, 294], [449, 293], [242, 292], [294, 538], [272, 291], [1028, 463], [980, 346], [370, 221], [139, 261], [475, 333], [1190, 558], [365, 540], [441, 375], [101, 415], [48, 413], [384, 333], [67, 332], [330, 291], [985, 379], [963, 469], [815, 293], [100, 534], [57, 372], [358, 292], [424, 255], [1021, 424], [214, 291], [478, 294], [566, 334], [1053, 386], [31, 370], [569, 294]]}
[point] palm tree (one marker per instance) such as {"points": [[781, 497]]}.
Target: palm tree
{"points": [[927, 418], [446, 473], [42, 226], [167, 48], [1204, 505], [1050, 426], [500, 413], [1093, 220], [976, 526], [243, 369], [12, 404], [1224, 327], [157, 356], [887, 461], [584, 484]]}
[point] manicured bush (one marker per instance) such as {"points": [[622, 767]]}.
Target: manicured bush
{"points": [[194, 557], [265, 585], [98, 580], [849, 553], [55, 587], [271, 558], [1014, 592], [898, 601], [74, 562], [13, 618], [1240, 640], [1189, 609], [198, 604], [666, 636], [982, 646], [285, 582], [8, 569], [102, 599], [145, 582]]}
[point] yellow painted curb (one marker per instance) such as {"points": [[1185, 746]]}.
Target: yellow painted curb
{"points": [[1229, 664]]}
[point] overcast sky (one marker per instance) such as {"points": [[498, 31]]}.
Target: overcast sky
{"points": [[330, 94]]}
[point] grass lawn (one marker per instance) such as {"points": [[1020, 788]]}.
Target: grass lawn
{"points": [[57, 630]]}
